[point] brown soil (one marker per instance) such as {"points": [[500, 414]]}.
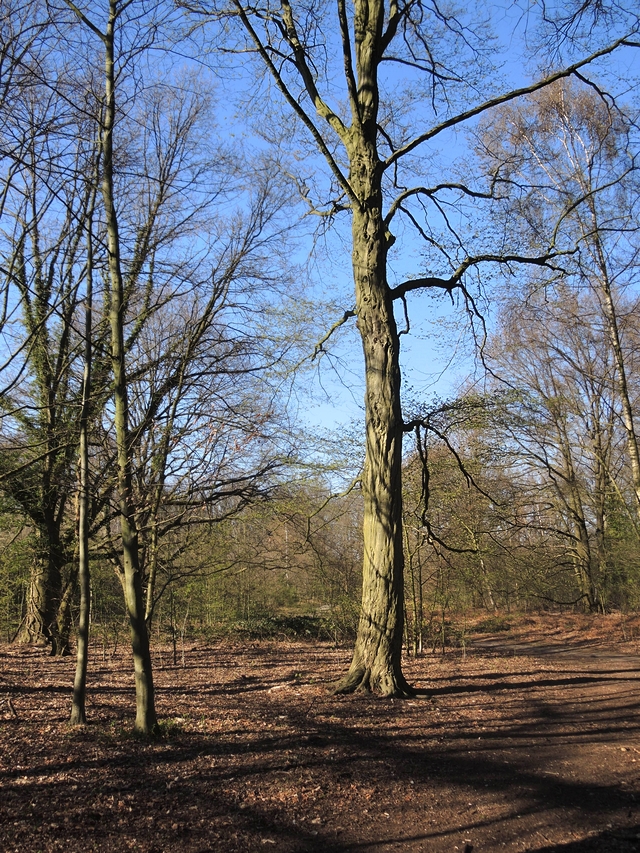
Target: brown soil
{"points": [[523, 740]]}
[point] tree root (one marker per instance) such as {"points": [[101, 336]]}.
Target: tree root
{"points": [[387, 685]]}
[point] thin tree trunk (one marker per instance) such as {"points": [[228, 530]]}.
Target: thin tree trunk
{"points": [[420, 606], [623, 389], [603, 286], [486, 592], [146, 721], [63, 617], [78, 706], [152, 573], [414, 602]]}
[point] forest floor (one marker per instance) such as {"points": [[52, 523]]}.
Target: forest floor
{"points": [[525, 740]]}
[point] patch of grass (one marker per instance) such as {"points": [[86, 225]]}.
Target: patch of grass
{"points": [[492, 625], [169, 729], [289, 627]]}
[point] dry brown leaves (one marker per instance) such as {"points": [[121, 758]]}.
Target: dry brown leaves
{"points": [[498, 750]]}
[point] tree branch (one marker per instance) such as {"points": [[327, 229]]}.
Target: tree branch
{"points": [[431, 191], [349, 75], [323, 110], [505, 98], [319, 347], [295, 106], [449, 284]]}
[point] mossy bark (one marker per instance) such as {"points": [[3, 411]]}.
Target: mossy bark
{"points": [[40, 623], [146, 721]]}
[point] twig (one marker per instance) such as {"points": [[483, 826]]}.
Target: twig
{"points": [[9, 705]]}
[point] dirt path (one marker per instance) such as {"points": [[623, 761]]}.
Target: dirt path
{"points": [[584, 652], [579, 732], [507, 748]]}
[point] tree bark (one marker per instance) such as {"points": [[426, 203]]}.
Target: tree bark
{"points": [[376, 663], [146, 721], [78, 704], [40, 623]]}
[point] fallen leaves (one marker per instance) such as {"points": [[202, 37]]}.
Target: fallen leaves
{"points": [[498, 748]]}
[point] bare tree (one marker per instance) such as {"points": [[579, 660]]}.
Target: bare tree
{"points": [[43, 216], [559, 437], [120, 44], [184, 354], [571, 158], [409, 73], [78, 705], [208, 419]]}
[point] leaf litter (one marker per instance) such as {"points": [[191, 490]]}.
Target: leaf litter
{"points": [[526, 740]]}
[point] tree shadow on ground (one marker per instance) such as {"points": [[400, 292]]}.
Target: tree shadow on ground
{"points": [[609, 841], [247, 788]]}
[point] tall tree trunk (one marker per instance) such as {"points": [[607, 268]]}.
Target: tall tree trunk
{"points": [[376, 660], [613, 332], [78, 704], [146, 721], [412, 642]]}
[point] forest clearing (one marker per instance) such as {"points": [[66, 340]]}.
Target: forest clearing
{"points": [[497, 751], [319, 362]]}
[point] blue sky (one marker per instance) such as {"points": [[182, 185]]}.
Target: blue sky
{"points": [[437, 354]]}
